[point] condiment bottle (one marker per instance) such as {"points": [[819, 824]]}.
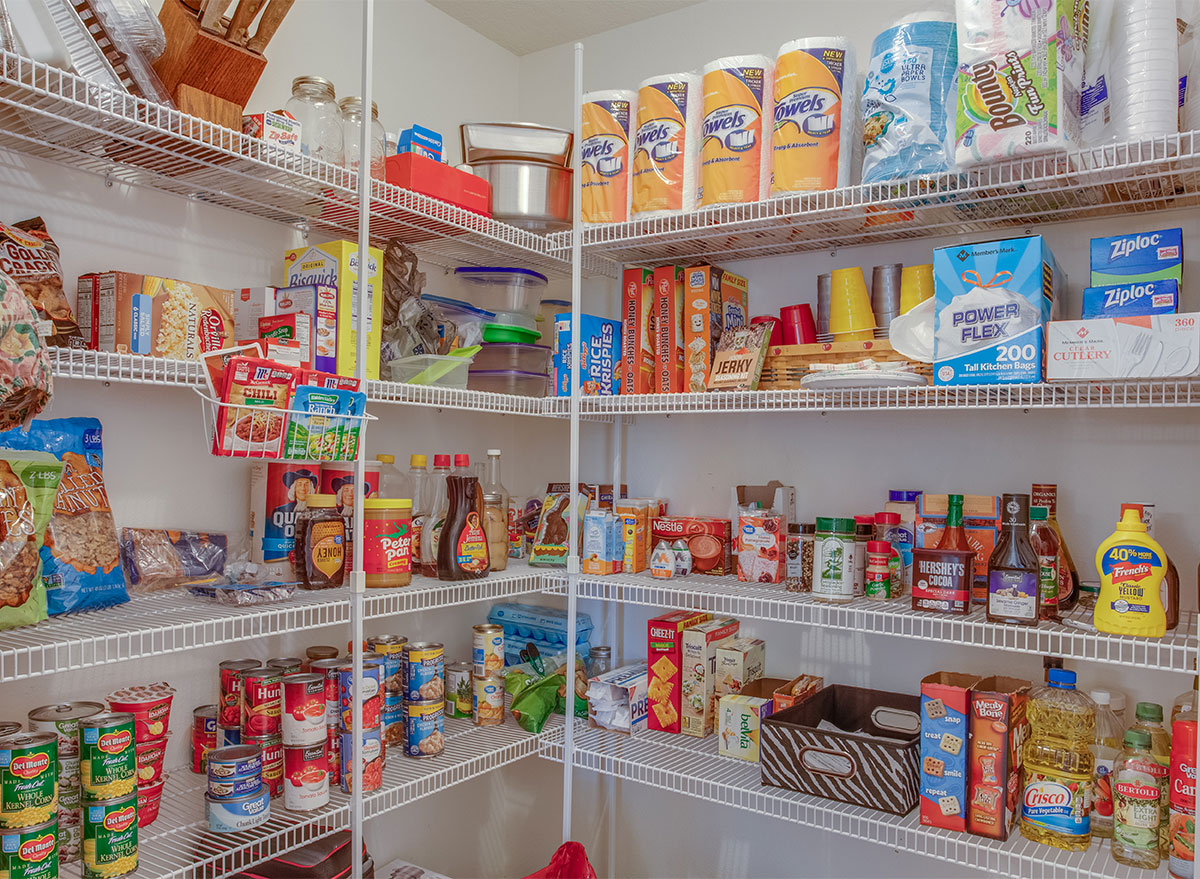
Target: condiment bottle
{"points": [[495, 513], [1186, 701], [421, 481], [1105, 750], [1045, 494], [943, 576], [1013, 567], [833, 560], [1169, 590], [463, 544], [320, 554], [1182, 855], [1149, 719], [434, 509], [864, 533], [1136, 804], [662, 561], [1131, 565], [887, 527], [878, 571], [1045, 544]]}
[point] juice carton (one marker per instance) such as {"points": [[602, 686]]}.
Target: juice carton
{"points": [[738, 663], [1141, 256], [740, 717], [664, 656], [714, 300], [981, 523], [600, 363], [700, 645], [635, 521], [992, 302], [945, 706], [637, 327], [601, 554], [668, 329], [998, 728]]}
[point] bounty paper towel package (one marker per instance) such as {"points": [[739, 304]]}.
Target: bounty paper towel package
{"points": [[1020, 70], [992, 301], [1141, 256], [666, 148], [734, 165], [811, 145], [604, 156]]}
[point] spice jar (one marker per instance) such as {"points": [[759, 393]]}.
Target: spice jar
{"points": [[314, 105], [878, 572], [833, 560], [320, 553], [807, 553], [387, 542], [864, 533]]}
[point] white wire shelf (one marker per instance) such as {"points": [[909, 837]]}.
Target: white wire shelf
{"points": [[691, 767], [1119, 179], [725, 595], [140, 369], [462, 398], [427, 593]]}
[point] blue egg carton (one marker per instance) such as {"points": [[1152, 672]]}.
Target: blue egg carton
{"points": [[512, 650], [545, 627]]}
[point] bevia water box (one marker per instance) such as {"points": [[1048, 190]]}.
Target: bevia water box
{"points": [[1142, 256], [992, 303]]}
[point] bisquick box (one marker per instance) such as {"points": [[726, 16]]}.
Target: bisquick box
{"points": [[1155, 346], [1135, 299], [945, 739], [1141, 256], [998, 728]]}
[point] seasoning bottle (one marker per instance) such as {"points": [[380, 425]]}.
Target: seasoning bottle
{"points": [[943, 576], [1045, 494], [420, 482], [435, 508], [1045, 543], [463, 544], [1136, 804], [1169, 590], [321, 544], [1013, 567], [833, 560], [887, 527], [807, 555], [878, 572], [864, 533], [495, 513]]}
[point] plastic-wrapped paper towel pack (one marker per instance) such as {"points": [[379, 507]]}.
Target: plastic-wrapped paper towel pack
{"points": [[666, 144], [734, 165], [604, 156]]}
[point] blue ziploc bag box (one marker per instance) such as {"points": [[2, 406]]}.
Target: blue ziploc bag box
{"points": [[1135, 299], [992, 301], [1142, 256], [600, 349]]}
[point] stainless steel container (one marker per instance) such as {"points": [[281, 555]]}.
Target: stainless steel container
{"points": [[531, 195], [521, 141]]}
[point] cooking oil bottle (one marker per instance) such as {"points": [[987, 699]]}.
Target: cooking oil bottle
{"points": [[1149, 720], [1136, 804], [1058, 764], [1105, 750]]}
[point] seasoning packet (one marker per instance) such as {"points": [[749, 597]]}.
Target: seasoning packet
{"points": [[215, 363], [252, 383], [319, 429], [738, 361], [28, 482]]}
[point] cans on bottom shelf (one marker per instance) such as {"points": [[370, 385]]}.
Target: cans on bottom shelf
{"points": [[238, 814], [31, 852], [487, 704], [458, 689], [110, 838], [272, 761], [305, 778], [424, 728]]}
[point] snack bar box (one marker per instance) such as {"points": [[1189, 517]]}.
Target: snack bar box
{"points": [[945, 734], [877, 768]]}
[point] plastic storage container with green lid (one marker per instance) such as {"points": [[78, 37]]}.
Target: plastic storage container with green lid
{"points": [[505, 290]]}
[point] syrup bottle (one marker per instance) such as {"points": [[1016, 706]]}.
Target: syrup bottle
{"points": [[1013, 567], [1046, 495], [463, 544]]}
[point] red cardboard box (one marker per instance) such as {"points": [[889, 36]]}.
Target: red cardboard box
{"points": [[999, 729], [637, 330], [709, 540], [420, 174], [664, 656], [945, 732], [668, 330]]}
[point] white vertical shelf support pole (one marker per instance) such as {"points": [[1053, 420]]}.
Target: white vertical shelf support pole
{"points": [[615, 627], [573, 483]]}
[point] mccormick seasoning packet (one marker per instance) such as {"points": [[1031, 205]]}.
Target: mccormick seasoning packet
{"points": [[252, 384]]}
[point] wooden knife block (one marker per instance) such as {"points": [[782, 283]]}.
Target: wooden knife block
{"points": [[206, 63]]}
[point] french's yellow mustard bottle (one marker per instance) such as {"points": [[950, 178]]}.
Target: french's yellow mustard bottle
{"points": [[1131, 564]]}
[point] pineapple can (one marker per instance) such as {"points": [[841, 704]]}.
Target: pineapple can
{"points": [[458, 689]]}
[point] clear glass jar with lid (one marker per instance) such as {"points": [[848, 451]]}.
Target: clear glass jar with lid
{"points": [[352, 118], [314, 105]]}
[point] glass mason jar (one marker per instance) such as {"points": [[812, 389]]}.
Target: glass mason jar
{"points": [[315, 107], [352, 117]]}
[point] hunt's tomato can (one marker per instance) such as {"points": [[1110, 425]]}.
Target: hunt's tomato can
{"points": [[303, 710], [333, 754], [230, 706], [371, 694], [107, 756], [1181, 833], [28, 779], [262, 702], [272, 761], [305, 777]]}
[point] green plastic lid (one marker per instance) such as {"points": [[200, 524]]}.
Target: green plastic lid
{"points": [[1039, 514], [1151, 711], [509, 333], [836, 525], [1137, 738]]}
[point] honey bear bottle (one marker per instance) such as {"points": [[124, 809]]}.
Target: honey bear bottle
{"points": [[463, 546]]}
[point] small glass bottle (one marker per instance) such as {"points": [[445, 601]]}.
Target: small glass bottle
{"points": [[436, 505], [1013, 567], [1044, 541], [352, 119], [864, 533], [495, 513], [1136, 808], [322, 552], [1045, 494], [599, 661], [314, 105]]}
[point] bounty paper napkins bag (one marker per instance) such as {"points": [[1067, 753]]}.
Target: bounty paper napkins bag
{"points": [[734, 165], [604, 156], [666, 144], [1020, 70], [814, 115], [991, 304]]}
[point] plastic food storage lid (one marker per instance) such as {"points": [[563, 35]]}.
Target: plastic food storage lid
{"points": [[515, 372], [903, 496], [564, 303], [509, 333], [321, 501], [1061, 679], [457, 305], [487, 275]]}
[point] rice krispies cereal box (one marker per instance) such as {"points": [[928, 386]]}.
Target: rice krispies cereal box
{"points": [[714, 300], [600, 363], [664, 656], [945, 706], [739, 662], [700, 645], [161, 317], [999, 728], [668, 330], [637, 328]]}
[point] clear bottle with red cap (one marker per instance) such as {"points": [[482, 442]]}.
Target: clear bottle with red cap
{"points": [[435, 508]]}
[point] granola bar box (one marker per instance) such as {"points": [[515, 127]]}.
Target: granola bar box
{"points": [[664, 656], [161, 317], [999, 727], [945, 732], [875, 766]]}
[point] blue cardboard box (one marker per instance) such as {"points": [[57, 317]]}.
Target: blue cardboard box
{"points": [[1142, 256], [1135, 299], [420, 140], [992, 301], [600, 369]]}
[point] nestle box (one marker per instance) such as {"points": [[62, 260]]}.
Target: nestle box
{"points": [[700, 645], [981, 524], [664, 656], [998, 727], [739, 662], [945, 733], [710, 541], [637, 328], [600, 364], [714, 300], [624, 689], [1155, 346], [1140, 256], [740, 717], [1131, 300], [668, 329]]}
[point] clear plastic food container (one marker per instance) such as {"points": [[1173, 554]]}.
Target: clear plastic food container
{"points": [[523, 358], [432, 369], [508, 381], [502, 290]]}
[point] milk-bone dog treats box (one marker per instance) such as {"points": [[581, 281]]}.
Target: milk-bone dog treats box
{"points": [[664, 656], [945, 707], [999, 729]]}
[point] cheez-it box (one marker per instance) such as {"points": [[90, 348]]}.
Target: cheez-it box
{"points": [[945, 706], [999, 728], [668, 330], [664, 656]]}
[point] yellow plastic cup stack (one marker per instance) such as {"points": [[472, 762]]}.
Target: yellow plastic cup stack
{"points": [[850, 316], [916, 285]]}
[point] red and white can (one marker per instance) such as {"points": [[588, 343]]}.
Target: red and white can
{"points": [[303, 710], [328, 668], [262, 702], [272, 761], [229, 709], [305, 777], [333, 753], [372, 695], [1181, 855]]}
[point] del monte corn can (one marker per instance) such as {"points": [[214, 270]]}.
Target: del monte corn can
{"points": [[107, 756], [110, 840], [31, 852], [28, 779]]}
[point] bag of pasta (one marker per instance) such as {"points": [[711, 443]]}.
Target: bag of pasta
{"points": [[28, 481]]}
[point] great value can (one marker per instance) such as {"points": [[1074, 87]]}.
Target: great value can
{"points": [[31, 852], [393, 727], [488, 652], [458, 689], [328, 669], [229, 736], [240, 760], [1181, 831], [287, 665], [372, 760], [487, 706], [230, 706], [423, 671], [424, 728], [28, 779], [391, 648], [305, 778], [204, 736], [234, 787], [272, 761], [107, 756], [262, 701], [303, 709], [110, 838], [371, 695], [63, 720], [243, 813]]}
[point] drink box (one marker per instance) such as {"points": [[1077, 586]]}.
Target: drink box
{"points": [[637, 327], [664, 656], [700, 645], [875, 767], [998, 728], [709, 541], [740, 717], [945, 728], [1140, 256], [981, 523]]}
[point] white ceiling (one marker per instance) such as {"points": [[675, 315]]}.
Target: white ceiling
{"points": [[524, 26]]}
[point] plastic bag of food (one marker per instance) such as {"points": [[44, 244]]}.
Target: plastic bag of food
{"points": [[29, 255], [28, 481], [155, 559], [26, 381], [538, 687]]}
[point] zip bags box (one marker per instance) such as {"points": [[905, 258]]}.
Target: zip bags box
{"points": [[600, 355], [945, 732], [1157, 346], [617, 699], [1131, 300], [1142, 256]]}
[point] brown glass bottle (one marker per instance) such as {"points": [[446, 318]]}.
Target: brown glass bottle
{"points": [[1013, 567], [463, 545], [1045, 544], [1045, 494], [1169, 590]]}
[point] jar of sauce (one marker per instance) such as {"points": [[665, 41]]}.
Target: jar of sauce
{"points": [[387, 542]]}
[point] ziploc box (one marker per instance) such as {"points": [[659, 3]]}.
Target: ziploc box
{"points": [[1134, 299], [637, 327], [335, 264], [664, 656], [998, 727], [621, 686], [700, 645], [992, 302], [1142, 256], [714, 300], [981, 524], [600, 355], [945, 732], [668, 330]]}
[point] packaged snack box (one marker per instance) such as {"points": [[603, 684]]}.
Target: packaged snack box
{"points": [[700, 645], [320, 302], [738, 663], [617, 699], [664, 655], [1153, 346], [668, 329], [740, 717], [709, 541], [714, 300], [999, 728], [1140, 256], [637, 326], [797, 690], [600, 351], [162, 317], [945, 707]]}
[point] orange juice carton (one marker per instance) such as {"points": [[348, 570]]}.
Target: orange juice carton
{"points": [[664, 657], [738, 663], [709, 541], [714, 300], [797, 690], [617, 699], [945, 732], [637, 329], [761, 546], [740, 717], [999, 728], [668, 329], [700, 645], [981, 523]]}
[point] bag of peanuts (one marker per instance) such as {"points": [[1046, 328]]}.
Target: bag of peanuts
{"points": [[29, 255]]}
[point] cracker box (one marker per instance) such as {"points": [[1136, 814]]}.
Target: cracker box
{"points": [[740, 717], [320, 301], [981, 524], [617, 699], [87, 310], [278, 128], [796, 691], [700, 645], [999, 728], [714, 300], [335, 264], [600, 355], [1154, 346], [1135, 299], [992, 302], [162, 317], [709, 541], [668, 330], [739, 662], [637, 328], [1140, 256], [664, 656], [250, 304], [295, 327], [945, 731]]}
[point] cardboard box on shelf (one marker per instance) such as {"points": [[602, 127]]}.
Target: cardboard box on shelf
{"points": [[600, 354], [250, 304], [1150, 346], [668, 330], [773, 496], [1138, 256], [664, 657], [295, 328], [87, 310], [945, 733], [162, 317], [714, 300], [740, 717], [739, 662], [999, 727], [427, 176], [710, 541], [797, 690], [625, 690], [638, 344], [981, 524], [320, 301], [700, 643], [1131, 300]]}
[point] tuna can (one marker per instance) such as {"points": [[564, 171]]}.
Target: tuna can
{"points": [[235, 787], [372, 760], [423, 669], [328, 668], [204, 723], [393, 727], [10, 727], [458, 689], [28, 779], [305, 778], [391, 648], [107, 756], [239, 760], [488, 649], [372, 701], [286, 665], [424, 728], [333, 753], [487, 706], [303, 709], [272, 761], [243, 813], [63, 719], [230, 706], [262, 701], [30, 852], [229, 736], [110, 837]]}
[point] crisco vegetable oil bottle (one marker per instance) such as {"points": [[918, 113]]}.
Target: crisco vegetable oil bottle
{"points": [[1058, 764]]}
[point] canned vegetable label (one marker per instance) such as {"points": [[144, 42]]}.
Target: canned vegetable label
{"points": [[423, 669], [107, 756], [64, 720], [306, 777], [262, 701], [424, 728], [110, 838], [28, 779], [70, 837], [204, 721], [30, 853], [371, 700], [458, 689], [303, 709], [333, 754], [488, 702], [488, 654], [372, 759], [230, 707]]}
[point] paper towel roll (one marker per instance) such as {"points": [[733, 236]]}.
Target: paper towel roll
{"points": [[734, 165], [604, 159], [666, 144], [814, 117]]}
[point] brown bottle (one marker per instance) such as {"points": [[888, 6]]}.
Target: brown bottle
{"points": [[1045, 543], [1013, 567], [1046, 495], [1169, 590], [463, 545]]}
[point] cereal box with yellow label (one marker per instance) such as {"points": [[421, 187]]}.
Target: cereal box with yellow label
{"points": [[664, 655], [161, 317]]}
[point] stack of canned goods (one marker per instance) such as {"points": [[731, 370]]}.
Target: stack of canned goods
{"points": [[390, 648], [150, 705], [422, 677], [108, 782], [305, 762], [373, 754], [204, 735], [237, 797], [329, 671], [63, 721], [487, 691], [28, 803]]}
